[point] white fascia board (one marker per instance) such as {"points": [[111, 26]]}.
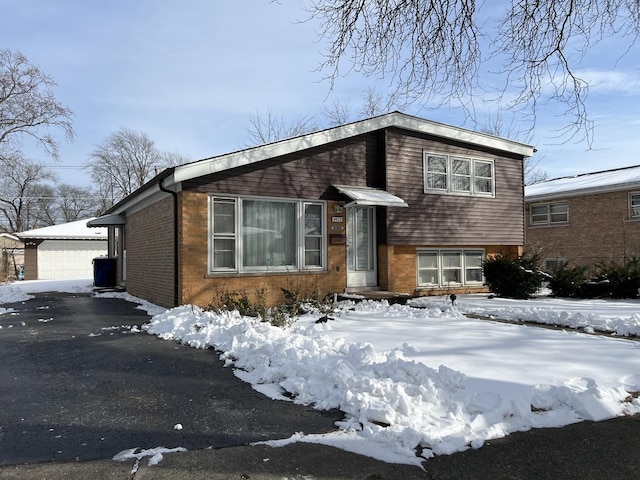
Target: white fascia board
{"points": [[395, 119], [147, 197], [582, 191]]}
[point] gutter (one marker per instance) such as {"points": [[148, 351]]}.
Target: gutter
{"points": [[175, 239]]}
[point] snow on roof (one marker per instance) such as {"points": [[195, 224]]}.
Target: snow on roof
{"points": [[596, 182], [371, 196], [77, 230], [12, 237]]}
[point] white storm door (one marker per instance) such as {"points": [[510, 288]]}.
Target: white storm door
{"points": [[361, 247]]}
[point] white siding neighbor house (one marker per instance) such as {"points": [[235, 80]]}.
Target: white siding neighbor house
{"points": [[64, 251]]}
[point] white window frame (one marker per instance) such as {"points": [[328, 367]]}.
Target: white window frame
{"points": [[237, 237], [440, 253], [634, 208], [446, 179], [548, 215], [552, 264]]}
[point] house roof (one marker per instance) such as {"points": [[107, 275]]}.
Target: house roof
{"points": [[77, 230], [587, 183], [171, 178], [9, 236]]}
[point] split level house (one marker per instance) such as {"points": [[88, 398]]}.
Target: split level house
{"points": [[395, 203], [585, 219]]}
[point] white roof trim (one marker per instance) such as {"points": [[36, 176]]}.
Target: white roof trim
{"points": [[76, 230], [12, 237], [395, 119], [107, 220], [370, 196], [626, 178]]}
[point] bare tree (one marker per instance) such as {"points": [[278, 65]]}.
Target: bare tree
{"points": [[124, 161], [173, 159], [431, 52], [28, 106], [271, 127], [74, 203], [498, 125], [20, 192], [337, 112]]}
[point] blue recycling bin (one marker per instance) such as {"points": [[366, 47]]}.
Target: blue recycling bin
{"points": [[104, 272]]}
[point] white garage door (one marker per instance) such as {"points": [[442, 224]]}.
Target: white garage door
{"points": [[60, 259]]}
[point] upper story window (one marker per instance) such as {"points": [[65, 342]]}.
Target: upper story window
{"points": [[251, 234], [544, 214], [634, 206], [458, 175]]}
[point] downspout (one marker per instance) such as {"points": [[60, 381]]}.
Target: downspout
{"points": [[175, 239]]}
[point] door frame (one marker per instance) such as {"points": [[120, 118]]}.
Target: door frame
{"points": [[358, 277]]}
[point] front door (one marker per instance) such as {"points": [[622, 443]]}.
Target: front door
{"points": [[361, 247]]}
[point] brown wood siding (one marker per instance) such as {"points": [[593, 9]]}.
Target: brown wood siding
{"points": [[307, 174], [31, 258], [150, 253], [451, 219]]}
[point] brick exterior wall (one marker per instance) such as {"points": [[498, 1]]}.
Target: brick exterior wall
{"points": [[396, 264], [401, 268], [599, 230], [150, 253], [198, 287]]}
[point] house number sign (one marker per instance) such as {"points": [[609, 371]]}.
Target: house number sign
{"points": [[336, 219]]}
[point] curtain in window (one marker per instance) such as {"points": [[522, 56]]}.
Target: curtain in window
{"points": [[268, 234]]}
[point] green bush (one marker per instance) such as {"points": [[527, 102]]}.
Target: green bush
{"points": [[518, 277], [623, 279], [568, 282]]}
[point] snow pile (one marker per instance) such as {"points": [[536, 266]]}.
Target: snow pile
{"points": [[393, 401], [12, 294], [156, 454], [148, 307], [590, 315]]}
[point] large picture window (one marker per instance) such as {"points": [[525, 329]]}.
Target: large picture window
{"points": [[458, 175], [445, 268], [251, 234]]}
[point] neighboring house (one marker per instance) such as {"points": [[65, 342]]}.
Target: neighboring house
{"points": [[395, 203], [11, 256], [585, 219], [62, 251]]}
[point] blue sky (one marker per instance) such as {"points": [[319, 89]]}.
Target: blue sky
{"points": [[190, 72]]}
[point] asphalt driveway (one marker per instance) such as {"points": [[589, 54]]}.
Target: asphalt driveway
{"points": [[79, 381]]}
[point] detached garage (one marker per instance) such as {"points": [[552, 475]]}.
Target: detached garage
{"points": [[64, 251]]}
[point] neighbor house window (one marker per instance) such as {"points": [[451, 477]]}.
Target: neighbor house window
{"points": [[550, 265], [549, 214], [442, 268], [251, 234], [634, 206], [458, 175]]}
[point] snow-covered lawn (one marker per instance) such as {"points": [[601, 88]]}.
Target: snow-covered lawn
{"points": [[426, 378]]}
